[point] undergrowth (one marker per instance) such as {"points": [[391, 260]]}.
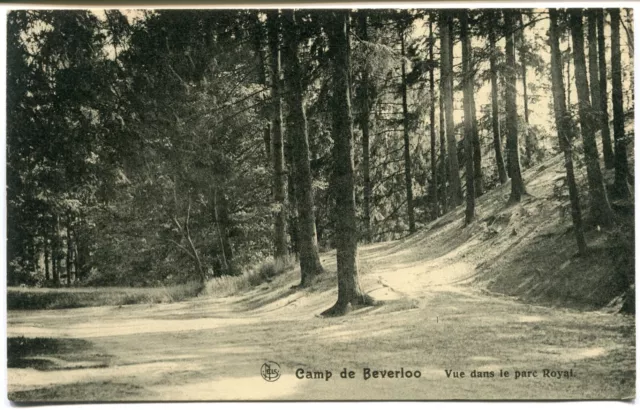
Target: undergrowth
{"points": [[261, 273], [63, 298]]}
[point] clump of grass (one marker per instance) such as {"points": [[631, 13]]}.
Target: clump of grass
{"points": [[63, 298], [261, 273]]}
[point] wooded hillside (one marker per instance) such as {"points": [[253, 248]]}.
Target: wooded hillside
{"points": [[160, 147]]}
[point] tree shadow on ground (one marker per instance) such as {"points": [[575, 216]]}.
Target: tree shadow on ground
{"points": [[78, 392], [43, 353]]}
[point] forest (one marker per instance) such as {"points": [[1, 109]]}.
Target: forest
{"points": [[150, 148]]}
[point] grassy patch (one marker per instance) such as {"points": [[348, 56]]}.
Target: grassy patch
{"points": [[264, 272], [62, 298]]}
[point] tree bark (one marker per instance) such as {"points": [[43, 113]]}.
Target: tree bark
{"points": [[495, 111], [477, 152], [443, 148], [297, 127], [467, 88], [346, 235], [408, 180], [279, 172], [565, 129], [364, 125], [511, 108], [600, 207], [607, 148], [432, 124], [447, 74], [620, 186]]}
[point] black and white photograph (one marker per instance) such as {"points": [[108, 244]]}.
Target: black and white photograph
{"points": [[319, 204]]}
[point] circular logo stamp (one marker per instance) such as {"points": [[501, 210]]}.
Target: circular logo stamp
{"points": [[270, 371]]}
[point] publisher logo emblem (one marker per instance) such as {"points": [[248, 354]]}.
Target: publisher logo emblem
{"points": [[270, 371]]}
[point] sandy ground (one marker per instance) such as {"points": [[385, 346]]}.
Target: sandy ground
{"points": [[436, 320], [213, 349]]}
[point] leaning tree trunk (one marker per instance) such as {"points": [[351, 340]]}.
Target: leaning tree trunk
{"points": [[277, 142], [297, 128], [511, 108], [467, 88], [600, 207], [620, 185], [447, 76], [495, 111], [607, 148], [408, 180], [565, 129], [364, 125], [346, 235]]}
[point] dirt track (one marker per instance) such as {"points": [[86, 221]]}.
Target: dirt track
{"points": [[213, 349]]}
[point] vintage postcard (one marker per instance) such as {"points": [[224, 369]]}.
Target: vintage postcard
{"points": [[320, 204]]}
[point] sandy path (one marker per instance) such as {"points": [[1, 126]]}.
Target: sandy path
{"points": [[212, 349]]}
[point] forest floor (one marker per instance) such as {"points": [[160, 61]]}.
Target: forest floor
{"points": [[504, 293]]}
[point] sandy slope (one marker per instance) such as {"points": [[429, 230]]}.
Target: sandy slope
{"points": [[435, 319]]}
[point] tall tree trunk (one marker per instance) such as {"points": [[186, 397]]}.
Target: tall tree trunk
{"points": [[443, 149], [55, 251], [279, 172], [594, 75], [408, 180], [447, 76], [292, 208], [529, 140], [511, 108], [432, 124], [569, 76], [47, 275], [565, 129], [495, 111], [297, 128], [467, 88], [82, 250], [69, 253], [620, 185], [607, 148], [600, 207], [477, 152], [76, 263], [346, 236], [364, 125]]}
